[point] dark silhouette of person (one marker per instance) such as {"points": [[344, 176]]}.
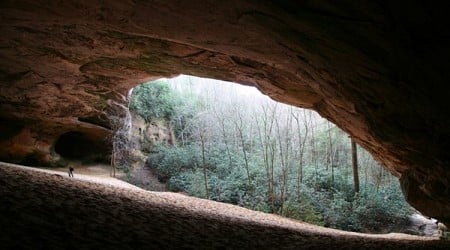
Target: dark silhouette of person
{"points": [[71, 172]]}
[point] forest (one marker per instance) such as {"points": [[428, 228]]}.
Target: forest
{"points": [[230, 143]]}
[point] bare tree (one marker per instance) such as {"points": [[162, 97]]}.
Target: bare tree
{"points": [[120, 122], [330, 152], [284, 143], [240, 129], [221, 118], [268, 143], [205, 174], [355, 166], [301, 138], [313, 145]]}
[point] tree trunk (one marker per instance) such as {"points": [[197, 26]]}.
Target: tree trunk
{"points": [[241, 137], [225, 140], [330, 158], [355, 166], [314, 149], [205, 176], [301, 145], [269, 146]]}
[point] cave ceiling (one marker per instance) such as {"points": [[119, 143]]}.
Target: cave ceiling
{"points": [[379, 70]]}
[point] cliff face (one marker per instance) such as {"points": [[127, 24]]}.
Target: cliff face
{"points": [[147, 135], [377, 70]]}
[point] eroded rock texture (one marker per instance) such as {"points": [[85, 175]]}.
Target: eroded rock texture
{"points": [[378, 69], [49, 211]]}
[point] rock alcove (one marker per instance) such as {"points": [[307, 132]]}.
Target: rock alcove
{"points": [[78, 146], [377, 70]]}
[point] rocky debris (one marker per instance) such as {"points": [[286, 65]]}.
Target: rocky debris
{"points": [[421, 225]]}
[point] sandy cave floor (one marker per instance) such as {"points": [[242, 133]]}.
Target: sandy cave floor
{"points": [[43, 209]]}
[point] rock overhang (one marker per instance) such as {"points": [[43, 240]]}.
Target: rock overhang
{"points": [[378, 71]]}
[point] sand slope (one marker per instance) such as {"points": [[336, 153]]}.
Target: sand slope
{"points": [[45, 210]]}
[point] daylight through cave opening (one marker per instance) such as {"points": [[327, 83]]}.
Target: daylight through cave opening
{"points": [[228, 142]]}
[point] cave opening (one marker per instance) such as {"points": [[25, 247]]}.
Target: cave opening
{"points": [[230, 143], [75, 145], [362, 65]]}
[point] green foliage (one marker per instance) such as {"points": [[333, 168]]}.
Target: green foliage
{"points": [[302, 210], [340, 213], [170, 161], [260, 169], [369, 211], [153, 100], [190, 182], [381, 211]]}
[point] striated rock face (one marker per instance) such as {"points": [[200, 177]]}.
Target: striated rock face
{"points": [[49, 211], [377, 70], [146, 135]]}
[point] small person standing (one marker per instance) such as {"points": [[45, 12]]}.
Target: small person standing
{"points": [[71, 172]]}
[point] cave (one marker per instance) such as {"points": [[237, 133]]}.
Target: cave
{"points": [[78, 146], [378, 70]]}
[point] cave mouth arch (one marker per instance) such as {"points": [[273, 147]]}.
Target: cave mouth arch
{"points": [[229, 111], [75, 145]]}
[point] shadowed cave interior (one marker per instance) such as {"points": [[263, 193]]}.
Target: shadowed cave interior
{"points": [[379, 70], [79, 146]]}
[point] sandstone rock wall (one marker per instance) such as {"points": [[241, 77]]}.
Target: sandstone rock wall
{"points": [[379, 70]]}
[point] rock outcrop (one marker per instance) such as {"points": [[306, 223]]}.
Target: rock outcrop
{"points": [[49, 211], [379, 70]]}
